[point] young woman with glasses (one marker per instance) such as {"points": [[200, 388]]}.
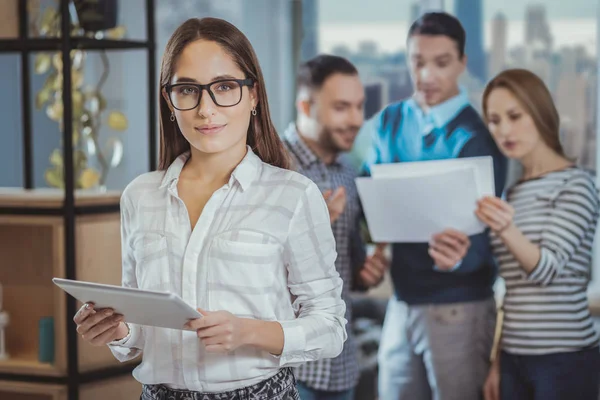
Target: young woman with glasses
{"points": [[225, 225]]}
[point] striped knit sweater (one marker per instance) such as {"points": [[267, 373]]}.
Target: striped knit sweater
{"points": [[547, 310]]}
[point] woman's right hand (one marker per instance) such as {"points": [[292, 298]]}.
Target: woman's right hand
{"points": [[99, 327], [491, 388]]}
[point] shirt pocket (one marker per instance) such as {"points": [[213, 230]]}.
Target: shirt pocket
{"points": [[246, 279], [152, 263]]}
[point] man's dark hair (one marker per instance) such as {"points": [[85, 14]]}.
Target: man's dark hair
{"points": [[314, 72], [440, 23]]}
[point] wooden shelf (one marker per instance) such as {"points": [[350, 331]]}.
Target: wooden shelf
{"points": [[98, 260], [55, 44], [120, 388], [31, 391], [33, 249], [28, 365], [54, 198], [42, 237], [30, 260]]}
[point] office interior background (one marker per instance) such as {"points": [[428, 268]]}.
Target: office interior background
{"points": [[558, 40]]}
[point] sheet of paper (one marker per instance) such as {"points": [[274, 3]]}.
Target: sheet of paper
{"points": [[411, 209], [484, 170]]}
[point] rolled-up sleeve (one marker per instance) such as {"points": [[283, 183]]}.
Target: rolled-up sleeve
{"points": [[319, 329], [573, 218], [131, 346]]}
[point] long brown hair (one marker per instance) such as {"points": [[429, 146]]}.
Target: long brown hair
{"points": [[262, 136], [535, 97]]}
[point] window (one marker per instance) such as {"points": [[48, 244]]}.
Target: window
{"points": [[555, 39], [373, 38]]}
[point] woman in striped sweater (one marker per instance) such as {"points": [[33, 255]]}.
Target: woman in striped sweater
{"points": [[542, 238]]}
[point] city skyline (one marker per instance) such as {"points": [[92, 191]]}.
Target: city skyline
{"points": [[561, 51], [349, 11], [390, 37]]}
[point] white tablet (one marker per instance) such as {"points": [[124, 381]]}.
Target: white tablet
{"points": [[143, 307]]}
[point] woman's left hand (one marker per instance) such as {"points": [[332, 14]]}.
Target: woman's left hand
{"points": [[219, 331], [495, 213]]}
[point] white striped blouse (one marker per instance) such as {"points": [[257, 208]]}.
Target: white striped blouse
{"points": [[547, 310], [262, 249]]}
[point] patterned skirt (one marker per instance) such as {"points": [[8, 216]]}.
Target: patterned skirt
{"points": [[279, 387]]}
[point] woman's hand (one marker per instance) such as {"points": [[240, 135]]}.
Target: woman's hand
{"points": [[219, 331], [495, 213], [99, 327], [491, 388]]}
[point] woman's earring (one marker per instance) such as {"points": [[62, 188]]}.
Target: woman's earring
{"points": [[172, 117], [254, 111]]}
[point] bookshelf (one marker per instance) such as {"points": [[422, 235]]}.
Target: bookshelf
{"points": [[46, 233]]}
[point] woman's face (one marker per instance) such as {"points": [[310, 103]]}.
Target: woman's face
{"points": [[511, 126], [210, 125]]}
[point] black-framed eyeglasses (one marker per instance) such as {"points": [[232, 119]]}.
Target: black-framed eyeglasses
{"points": [[224, 93]]}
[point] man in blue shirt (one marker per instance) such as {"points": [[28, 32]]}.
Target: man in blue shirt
{"points": [[439, 325]]}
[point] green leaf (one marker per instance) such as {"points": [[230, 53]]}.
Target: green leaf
{"points": [[55, 111], [117, 121], [79, 160], [57, 61], [76, 79], [76, 135], [116, 33], [42, 98], [50, 82], [48, 21], [77, 99], [57, 83], [89, 178], [42, 63], [56, 158], [54, 177]]}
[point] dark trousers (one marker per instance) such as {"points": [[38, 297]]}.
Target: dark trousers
{"points": [[557, 376]]}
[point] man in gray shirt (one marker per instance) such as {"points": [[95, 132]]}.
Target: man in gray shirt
{"points": [[330, 99]]}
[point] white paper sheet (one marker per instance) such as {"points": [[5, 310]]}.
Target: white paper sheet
{"points": [[484, 170], [411, 207]]}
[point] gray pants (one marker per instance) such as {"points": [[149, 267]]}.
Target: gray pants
{"points": [[438, 352]]}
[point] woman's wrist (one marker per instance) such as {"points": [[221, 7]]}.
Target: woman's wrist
{"points": [[506, 231], [264, 335], [248, 330], [496, 361], [122, 331]]}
